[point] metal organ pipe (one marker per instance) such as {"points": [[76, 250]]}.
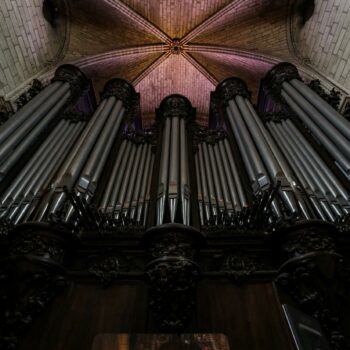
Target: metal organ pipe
{"points": [[140, 174], [206, 200], [173, 184], [184, 174], [174, 165], [326, 124], [227, 152], [85, 163], [163, 174], [329, 112], [23, 129]]}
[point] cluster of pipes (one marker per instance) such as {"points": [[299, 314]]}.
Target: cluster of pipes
{"points": [[219, 186], [73, 155]]}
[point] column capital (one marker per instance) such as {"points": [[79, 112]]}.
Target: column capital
{"points": [[231, 87], [120, 89], [279, 74], [176, 106], [72, 75]]}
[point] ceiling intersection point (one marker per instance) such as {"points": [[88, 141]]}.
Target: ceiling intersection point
{"points": [[176, 47]]}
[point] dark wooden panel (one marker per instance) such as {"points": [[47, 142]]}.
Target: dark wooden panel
{"points": [[86, 310], [249, 315]]}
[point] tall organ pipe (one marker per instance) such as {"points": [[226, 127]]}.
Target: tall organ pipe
{"points": [[206, 201], [119, 179], [140, 175], [132, 180], [294, 161], [199, 189], [148, 190], [163, 175], [174, 165], [184, 174], [227, 152], [173, 182], [34, 117], [111, 183], [144, 182], [208, 174]]}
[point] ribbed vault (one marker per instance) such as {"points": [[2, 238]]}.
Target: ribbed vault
{"points": [[134, 40]]}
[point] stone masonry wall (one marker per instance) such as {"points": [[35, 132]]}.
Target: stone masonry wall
{"points": [[28, 44]]}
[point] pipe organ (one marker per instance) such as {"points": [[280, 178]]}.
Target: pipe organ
{"points": [[176, 186]]}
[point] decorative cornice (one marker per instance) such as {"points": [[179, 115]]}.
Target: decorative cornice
{"points": [[231, 87], [176, 106], [279, 74], [73, 76], [120, 89]]}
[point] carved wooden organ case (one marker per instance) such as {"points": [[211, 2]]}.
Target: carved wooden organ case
{"points": [[260, 195]]}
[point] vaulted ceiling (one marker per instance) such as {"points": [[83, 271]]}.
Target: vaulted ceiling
{"points": [[177, 46]]}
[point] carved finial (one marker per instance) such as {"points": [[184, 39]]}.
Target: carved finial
{"points": [[278, 75], [121, 89], [72, 75], [231, 87]]}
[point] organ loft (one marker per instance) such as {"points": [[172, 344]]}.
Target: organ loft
{"points": [[174, 175]]}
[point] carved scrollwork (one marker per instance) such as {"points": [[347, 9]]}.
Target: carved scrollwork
{"points": [[172, 284], [75, 116], [231, 87], [332, 97], [176, 106], [20, 308], [278, 75], [307, 242], [106, 269], [120, 89], [73, 76], [172, 273], [38, 246], [172, 244], [239, 265], [307, 237], [36, 87]]}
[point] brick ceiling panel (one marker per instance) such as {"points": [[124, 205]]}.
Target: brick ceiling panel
{"points": [[255, 25], [97, 27], [126, 67], [176, 17], [223, 66], [175, 75]]}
